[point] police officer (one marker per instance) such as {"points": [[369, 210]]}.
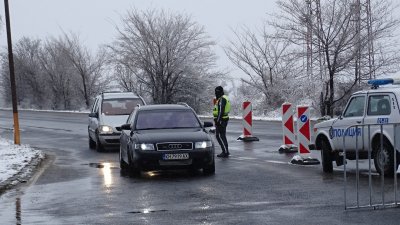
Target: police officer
{"points": [[221, 118]]}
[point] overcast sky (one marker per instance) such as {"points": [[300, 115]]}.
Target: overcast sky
{"points": [[94, 20]]}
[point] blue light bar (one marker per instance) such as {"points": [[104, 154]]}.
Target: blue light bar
{"points": [[377, 82]]}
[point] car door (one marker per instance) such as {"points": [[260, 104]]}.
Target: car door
{"points": [[93, 121], [353, 115], [382, 109], [126, 136]]}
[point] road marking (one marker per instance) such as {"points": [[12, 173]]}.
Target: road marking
{"points": [[276, 162], [256, 159], [245, 158]]}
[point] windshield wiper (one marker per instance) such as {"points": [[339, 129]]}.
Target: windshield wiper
{"points": [[150, 129]]}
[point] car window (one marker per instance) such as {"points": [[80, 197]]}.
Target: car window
{"points": [[355, 107], [120, 106], [131, 117], [379, 105], [166, 119], [94, 107]]}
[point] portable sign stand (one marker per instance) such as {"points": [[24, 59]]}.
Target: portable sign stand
{"points": [[303, 138], [247, 124], [289, 137]]}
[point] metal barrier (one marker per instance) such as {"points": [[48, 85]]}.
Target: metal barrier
{"points": [[382, 203]]}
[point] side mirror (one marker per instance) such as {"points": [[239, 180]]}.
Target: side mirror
{"points": [[208, 124], [338, 113], [95, 115], [125, 127]]}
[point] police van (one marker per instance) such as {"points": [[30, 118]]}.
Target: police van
{"points": [[369, 121]]}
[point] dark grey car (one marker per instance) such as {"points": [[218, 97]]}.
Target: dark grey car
{"points": [[165, 137]]}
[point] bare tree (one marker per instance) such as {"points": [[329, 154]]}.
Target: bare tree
{"points": [[163, 50], [58, 71], [31, 85], [29, 72], [337, 37], [89, 68], [127, 78], [264, 58]]}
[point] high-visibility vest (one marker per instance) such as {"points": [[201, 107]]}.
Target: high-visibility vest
{"points": [[227, 108]]}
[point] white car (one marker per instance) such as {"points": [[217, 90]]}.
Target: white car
{"points": [[375, 110], [109, 111]]}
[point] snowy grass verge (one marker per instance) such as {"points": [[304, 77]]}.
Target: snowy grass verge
{"points": [[14, 158]]}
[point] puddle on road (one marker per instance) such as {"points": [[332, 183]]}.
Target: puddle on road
{"points": [[146, 211], [101, 165], [96, 165]]}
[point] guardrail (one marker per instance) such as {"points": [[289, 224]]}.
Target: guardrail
{"points": [[382, 203]]}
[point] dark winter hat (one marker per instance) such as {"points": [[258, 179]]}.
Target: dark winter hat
{"points": [[219, 89]]}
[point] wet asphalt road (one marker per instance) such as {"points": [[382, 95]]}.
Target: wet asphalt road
{"points": [[254, 186]]}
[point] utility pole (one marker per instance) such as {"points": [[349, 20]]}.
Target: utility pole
{"points": [[12, 76], [309, 39], [364, 55], [357, 44], [371, 57]]}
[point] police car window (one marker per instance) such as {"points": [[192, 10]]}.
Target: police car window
{"points": [[379, 105], [355, 107]]}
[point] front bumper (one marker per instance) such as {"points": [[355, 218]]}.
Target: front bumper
{"points": [[153, 160], [111, 140]]}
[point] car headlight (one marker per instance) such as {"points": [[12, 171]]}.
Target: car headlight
{"points": [[202, 144], [104, 129], [144, 147]]}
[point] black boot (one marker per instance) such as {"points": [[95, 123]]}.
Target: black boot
{"points": [[222, 155]]}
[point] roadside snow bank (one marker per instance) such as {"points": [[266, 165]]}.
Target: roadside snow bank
{"points": [[13, 158]]}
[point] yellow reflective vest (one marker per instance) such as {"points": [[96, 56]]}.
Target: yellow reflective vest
{"points": [[226, 110]]}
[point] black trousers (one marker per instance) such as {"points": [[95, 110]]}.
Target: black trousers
{"points": [[220, 134]]}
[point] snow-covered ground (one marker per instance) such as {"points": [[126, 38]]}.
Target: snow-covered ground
{"points": [[13, 158]]}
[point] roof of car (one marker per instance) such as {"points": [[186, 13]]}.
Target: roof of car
{"points": [[382, 85], [387, 88], [163, 106], [111, 95]]}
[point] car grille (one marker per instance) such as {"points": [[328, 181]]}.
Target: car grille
{"points": [[112, 141], [175, 162], [174, 146]]}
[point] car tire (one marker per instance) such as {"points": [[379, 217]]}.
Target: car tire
{"points": [[122, 164], [209, 169], [326, 156], [132, 169], [99, 146], [387, 155], [92, 144]]}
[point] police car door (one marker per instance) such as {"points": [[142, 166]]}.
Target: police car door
{"points": [[382, 109], [353, 115]]}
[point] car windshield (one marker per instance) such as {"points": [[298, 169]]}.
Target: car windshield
{"points": [[120, 106], [166, 119]]}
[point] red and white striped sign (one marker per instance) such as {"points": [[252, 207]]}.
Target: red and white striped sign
{"points": [[247, 119], [303, 125], [287, 123]]}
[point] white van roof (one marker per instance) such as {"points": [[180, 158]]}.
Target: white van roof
{"points": [[112, 95]]}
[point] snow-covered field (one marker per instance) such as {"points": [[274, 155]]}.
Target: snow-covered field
{"points": [[13, 158]]}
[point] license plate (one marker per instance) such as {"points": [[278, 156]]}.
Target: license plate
{"points": [[176, 156]]}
